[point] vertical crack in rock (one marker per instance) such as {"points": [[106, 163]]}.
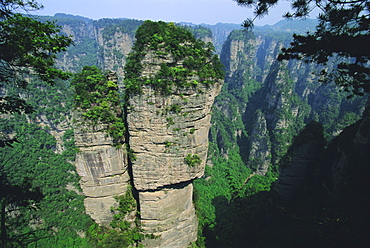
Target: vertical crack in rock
{"points": [[102, 168], [161, 149]]}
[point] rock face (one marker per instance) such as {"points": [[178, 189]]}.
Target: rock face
{"points": [[164, 130], [114, 50], [168, 120], [169, 213], [297, 166], [260, 145], [103, 170], [161, 141]]}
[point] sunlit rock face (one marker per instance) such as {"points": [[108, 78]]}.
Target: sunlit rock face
{"points": [[103, 169], [162, 136], [170, 215], [168, 116], [164, 129]]}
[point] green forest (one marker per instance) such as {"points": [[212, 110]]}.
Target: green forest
{"points": [[288, 147]]}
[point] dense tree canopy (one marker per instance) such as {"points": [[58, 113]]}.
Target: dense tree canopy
{"points": [[168, 39], [343, 34], [98, 100]]}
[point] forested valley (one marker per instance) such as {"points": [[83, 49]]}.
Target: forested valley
{"points": [[287, 161]]}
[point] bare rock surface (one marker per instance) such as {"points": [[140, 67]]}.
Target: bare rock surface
{"points": [[102, 168], [164, 130], [169, 214]]}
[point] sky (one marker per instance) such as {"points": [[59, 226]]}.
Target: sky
{"points": [[194, 11]]}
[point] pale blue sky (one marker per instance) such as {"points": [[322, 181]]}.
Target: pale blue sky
{"points": [[195, 11]]}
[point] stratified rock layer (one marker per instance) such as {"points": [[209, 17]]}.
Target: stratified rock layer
{"points": [[169, 214], [168, 134], [103, 170], [164, 130]]}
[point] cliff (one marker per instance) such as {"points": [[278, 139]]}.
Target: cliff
{"points": [[170, 86], [102, 161], [158, 146], [345, 163], [275, 100], [102, 167], [168, 128]]}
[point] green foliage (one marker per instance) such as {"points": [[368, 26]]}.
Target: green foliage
{"points": [[85, 47], [175, 108], [86, 50], [193, 159], [28, 47], [240, 35], [98, 99], [58, 217], [170, 121], [40, 197], [222, 180], [130, 153], [123, 232], [29, 43], [199, 32], [198, 58]]}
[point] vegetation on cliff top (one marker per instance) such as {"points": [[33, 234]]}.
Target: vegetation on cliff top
{"points": [[98, 99], [190, 61]]}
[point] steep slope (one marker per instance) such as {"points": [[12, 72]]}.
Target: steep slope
{"points": [[263, 105], [290, 95]]}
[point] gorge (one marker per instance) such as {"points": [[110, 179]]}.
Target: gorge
{"points": [[264, 156]]}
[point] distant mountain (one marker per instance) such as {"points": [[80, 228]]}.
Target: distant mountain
{"points": [[294, 26]]}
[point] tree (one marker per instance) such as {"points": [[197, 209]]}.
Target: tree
{"points": [[28, 49], [342, 35], [96, 98]]}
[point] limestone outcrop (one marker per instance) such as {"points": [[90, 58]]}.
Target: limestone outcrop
{"points": [[166, 134], [260, 145], [161, 140]]}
